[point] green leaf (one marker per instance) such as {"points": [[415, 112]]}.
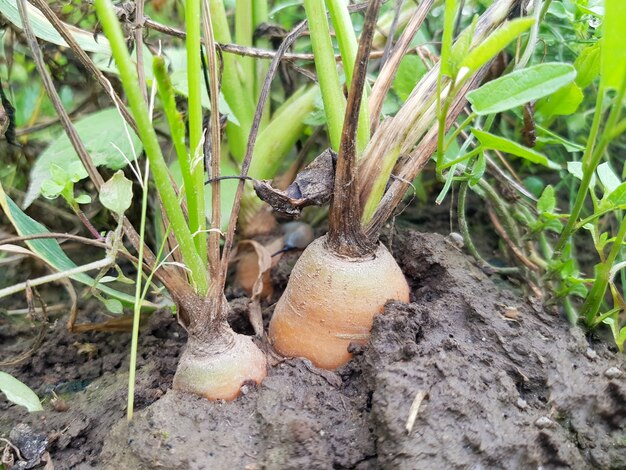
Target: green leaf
{"points": [[613, 50], [447, 37], [461, 47], [19, 393], [608, 177], [478, 169], [547, 201], [552, 138], [520, 86], [558, 9], [495, 42], [619, 335], [50, 189], [50, 250], [618, 196], [562, 103], [587, 65], [495, 142], [83, 199], [43, 29], [595, 10], [114, 306], [117, 193], [410, 72], [576, 169], [101, 132]]}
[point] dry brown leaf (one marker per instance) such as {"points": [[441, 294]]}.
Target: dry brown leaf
{"points": [[253, 274], [312, 187]]}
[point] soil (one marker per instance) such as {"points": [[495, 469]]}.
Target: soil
{"points": [[469, 375]]}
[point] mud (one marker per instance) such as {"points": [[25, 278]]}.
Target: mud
{"points": [[502, 384]]}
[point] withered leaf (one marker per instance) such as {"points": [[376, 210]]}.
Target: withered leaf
{"points": [[312, 187], [255, 262]]}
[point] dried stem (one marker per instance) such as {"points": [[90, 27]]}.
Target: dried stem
{"points": [[138, 33], [390, 68], [413, 123], [392, 32], [66, 236], [247, 51], [345, 235], [271, 71], [215, 129]]}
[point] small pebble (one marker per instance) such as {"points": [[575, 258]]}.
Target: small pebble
{"points": [[591, 354], [544, 422], [612, 373], [456, 239], [521, 404]]}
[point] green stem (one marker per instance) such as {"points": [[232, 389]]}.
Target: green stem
{"points": [[462, 158], [442, 116], [151, 145], [57, 276], [581, 196], [177, 126], [138, 301], [619, 129], [597, 215], [348, 45], [592, 157], [232, 86], [332, 93], [388, 162], [197, 217], [596, 294], [467, 238], [281, 134], [459, 129], [244, 30], [445, 69], [570, 311]]}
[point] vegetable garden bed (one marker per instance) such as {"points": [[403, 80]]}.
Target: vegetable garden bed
{"points": [[482, 378]]}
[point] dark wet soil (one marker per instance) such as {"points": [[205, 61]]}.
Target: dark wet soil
{"points": [[469, 375]]}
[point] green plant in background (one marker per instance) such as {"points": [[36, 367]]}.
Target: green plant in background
{"points": [[537, 95]]}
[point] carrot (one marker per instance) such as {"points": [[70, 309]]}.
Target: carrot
{"points": [[343, 279], [216, 361], [331, 301]]}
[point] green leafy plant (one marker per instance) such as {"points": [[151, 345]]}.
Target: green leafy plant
{"points": [[536, 96], [19, 393]]}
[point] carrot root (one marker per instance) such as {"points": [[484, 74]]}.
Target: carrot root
{"points": [[219, 374], [331, 301]]}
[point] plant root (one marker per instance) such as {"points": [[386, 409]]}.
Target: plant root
{"points": [[331, 301], [218, 371]]}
